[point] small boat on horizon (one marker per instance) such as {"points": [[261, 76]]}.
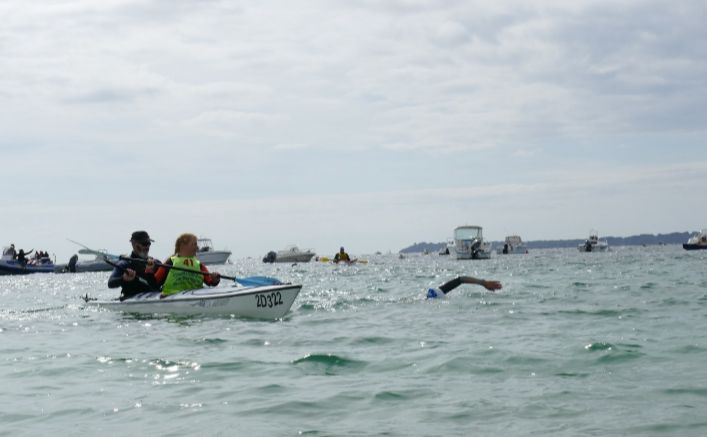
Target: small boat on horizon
{"points": [[445, 250], [95, 264], [290, 254], [697, 241], [469, 243], [512, 245], [593, 243], [208, 255]]}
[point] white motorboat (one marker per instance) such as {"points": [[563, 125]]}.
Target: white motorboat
{"points": [[447, 248], [469, 243], [697, 241], [513, 244], [258, 302], [208, 255], [593, 244], [291, 254], [96, 263]]}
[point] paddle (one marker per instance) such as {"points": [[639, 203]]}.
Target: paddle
{"points": [[254, 281], [250, 280], [88, 251]]}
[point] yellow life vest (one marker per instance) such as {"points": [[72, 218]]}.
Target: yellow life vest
{"points": [[178, 280]]}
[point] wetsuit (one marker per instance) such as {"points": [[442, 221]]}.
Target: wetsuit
{"points": [[143, 281], [444, 288]]}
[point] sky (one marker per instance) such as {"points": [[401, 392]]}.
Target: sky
{"points": [[366, 124]]}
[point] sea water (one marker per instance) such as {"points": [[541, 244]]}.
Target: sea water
{"points": [[574, 344]]}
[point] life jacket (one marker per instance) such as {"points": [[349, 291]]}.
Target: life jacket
{"points": [[342, 257], [178, 280]]}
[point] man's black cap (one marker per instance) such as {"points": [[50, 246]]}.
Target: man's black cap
{"points": [[141, 237]]}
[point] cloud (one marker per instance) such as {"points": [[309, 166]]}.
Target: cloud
{"points": [[453, 76], [107, 95], [522, 153]]}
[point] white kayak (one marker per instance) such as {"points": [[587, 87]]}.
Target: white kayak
{"points": [[258, 302]]}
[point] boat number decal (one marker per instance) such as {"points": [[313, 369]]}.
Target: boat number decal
{"points": [[268, 300], [210, 303]]}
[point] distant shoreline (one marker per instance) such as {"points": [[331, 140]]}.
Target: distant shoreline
{"points": [[634, 240]]}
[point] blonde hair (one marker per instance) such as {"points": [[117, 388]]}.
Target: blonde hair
{"points": [[182, 240]]}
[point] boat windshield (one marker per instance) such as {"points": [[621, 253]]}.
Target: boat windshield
{"points": [[467, 233], [204, 244]]}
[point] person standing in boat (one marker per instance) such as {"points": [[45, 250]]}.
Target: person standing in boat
{"points": [[191, 274], [137, 274], [342, 256], [587, 246], [10, 252], [22, 257], [442, 290]]}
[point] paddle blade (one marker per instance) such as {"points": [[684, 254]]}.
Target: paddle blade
{"points": [[258, 281]]}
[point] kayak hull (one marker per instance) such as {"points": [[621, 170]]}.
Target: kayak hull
{"points": [[264, 302]]}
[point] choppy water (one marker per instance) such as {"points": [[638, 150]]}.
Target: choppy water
{"points": [[574, 344]]}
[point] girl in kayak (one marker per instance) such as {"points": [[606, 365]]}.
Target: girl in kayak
{"points": [[442, 290], [184, 257]]}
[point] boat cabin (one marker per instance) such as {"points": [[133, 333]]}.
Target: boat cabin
{"points": [[468, 233], [205, 245], [514, 240]]}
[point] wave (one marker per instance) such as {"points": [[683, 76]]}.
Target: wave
{"points": [[329, 364]]}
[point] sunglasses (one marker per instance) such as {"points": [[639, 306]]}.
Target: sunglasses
{"points": [[144, 244]]}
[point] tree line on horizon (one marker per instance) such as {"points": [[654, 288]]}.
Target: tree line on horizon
{"points": [[634, 240]]}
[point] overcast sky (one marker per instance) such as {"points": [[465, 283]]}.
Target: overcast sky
{"points": [[368, 124]]}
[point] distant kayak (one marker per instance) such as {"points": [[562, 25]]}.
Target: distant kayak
{"points": [[325, 259], [258, 302]]}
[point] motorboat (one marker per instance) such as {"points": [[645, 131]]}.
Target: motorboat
{"points": [[291, 254], [257, 302], [208, 255], [697, 241], [513, 244], [447, 248], [9, 265], [469, 243], [96, 263], [593, 244]]}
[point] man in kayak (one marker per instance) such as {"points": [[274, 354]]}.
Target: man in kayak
{"points": [[342, 256], [137, 274], [442, 290], [189, 273]]}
